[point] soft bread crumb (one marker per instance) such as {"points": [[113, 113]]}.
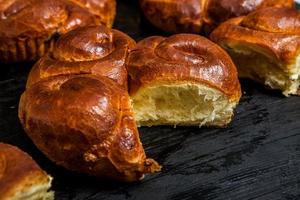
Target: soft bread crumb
{"points": [[257, 65], [182, 104]]}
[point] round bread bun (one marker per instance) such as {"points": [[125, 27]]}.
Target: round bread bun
{"points": [[20, 176], [77, 110], [195, 16], [182, 80], [85, 124], [88, 50], [29, 28], [265, 45]]}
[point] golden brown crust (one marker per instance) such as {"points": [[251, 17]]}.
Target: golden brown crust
{"points": [[89, 50], [85, 123], [29, 27], [182, 58], [76, 107], [191, 15], [274, 20], [17, 171], [174, 15], [273, 35], [220, 10], [275, 31]]}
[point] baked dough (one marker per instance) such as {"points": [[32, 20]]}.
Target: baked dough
{"points": [[195, 16], [77, 111], [29, 28], [182, 80], [265, 46], [85, 124], [20, 177], [88, 50]]}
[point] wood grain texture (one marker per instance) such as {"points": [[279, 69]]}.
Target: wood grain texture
{"points": [[256, 157]]}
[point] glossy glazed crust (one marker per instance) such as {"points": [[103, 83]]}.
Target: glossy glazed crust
{"points": [[28, 28], [181, 58], [220, 10], [175, 15], [274, 31], [76, 107], [89, 50], [85, 123], [192, 16], [18, 171]]}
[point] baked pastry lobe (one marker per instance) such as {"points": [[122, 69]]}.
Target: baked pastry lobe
{"points": [[76, 107], [28, 28], [20, 176], [182, 80], [219, 11], [174, 15], [265, 46], [88, 50], [192, 16], [85, 124]]}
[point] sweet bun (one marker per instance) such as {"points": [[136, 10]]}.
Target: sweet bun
{"points": [[182, 80], [174, 15], [194, 16], [77, 111], [20, 176], [85, 123], [88, 50], [219, 11], [265, 46], [29, 28]]}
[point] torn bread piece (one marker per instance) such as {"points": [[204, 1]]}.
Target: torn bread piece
{"points": [[182, 80], [265, 46]]}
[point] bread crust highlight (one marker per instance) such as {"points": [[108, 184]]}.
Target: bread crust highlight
{"points": [[29, 28]]}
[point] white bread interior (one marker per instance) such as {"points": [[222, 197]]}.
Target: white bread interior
{"points": [[182, 104], [38, 191], [255, 63]]}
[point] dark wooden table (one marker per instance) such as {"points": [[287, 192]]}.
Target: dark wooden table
{"points": [[256, 157]]}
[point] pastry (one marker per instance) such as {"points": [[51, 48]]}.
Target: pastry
{"points": [[20, 176], [77, 111], [195, 16], [219, 11], [85, 124], [88, 50], [182, 80], [28, 28], [265, 46]]}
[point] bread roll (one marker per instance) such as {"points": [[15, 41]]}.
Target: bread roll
{"points": [[182, 80], [89, 50], [219, 11], [85, 123], [265, 46], [28, 28], [77, 111], [175, 15], [195, 16], [20, 177]]}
